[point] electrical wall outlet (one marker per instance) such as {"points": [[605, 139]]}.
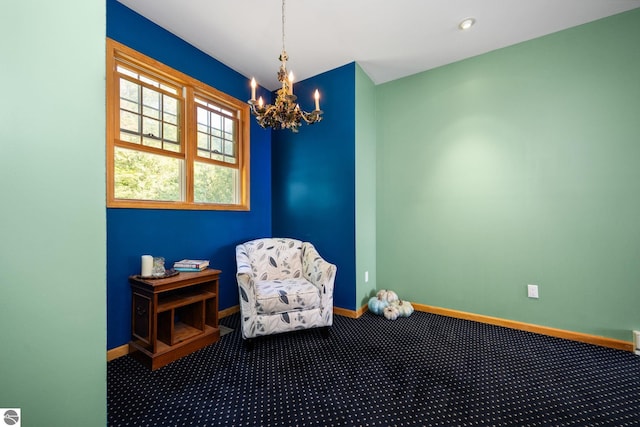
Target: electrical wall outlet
{"points": [[532, 291], [366, 276]]}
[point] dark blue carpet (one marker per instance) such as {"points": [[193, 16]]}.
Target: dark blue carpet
{"points": [[425, 370]]}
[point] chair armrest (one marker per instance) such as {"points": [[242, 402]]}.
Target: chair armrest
{"points": [[244, 278], [244, 275], [317, 270]]}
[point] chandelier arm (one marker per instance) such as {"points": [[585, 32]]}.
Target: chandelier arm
{"points": [[312, 117]]}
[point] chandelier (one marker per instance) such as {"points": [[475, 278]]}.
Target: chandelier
{"points": [[285, 113]]}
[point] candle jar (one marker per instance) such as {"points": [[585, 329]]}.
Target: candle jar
{"points": [[158, 266], [146, 265]]}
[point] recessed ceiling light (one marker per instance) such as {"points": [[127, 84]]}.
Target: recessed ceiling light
{"points": [[466, 23]]}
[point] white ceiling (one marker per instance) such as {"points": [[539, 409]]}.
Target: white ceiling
{"points": [[389, 39]]}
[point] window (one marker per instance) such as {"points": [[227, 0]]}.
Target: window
{"points": [[172, 141]]}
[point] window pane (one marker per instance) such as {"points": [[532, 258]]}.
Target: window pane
{"points": [[171, 147], [128, 137], [129, 122], [129, 95], [170, 133], [203, 118], [221, 133], [123, 70], [150, 127], [144, 176], [151, 102], [170, 110], [149, 116], [149, 81], [215, 184], [216, 146], [216, 123], [169, 89], [129, 90], [203, 141]]}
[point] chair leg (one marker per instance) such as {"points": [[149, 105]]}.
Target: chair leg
{"points": [[325, 332], [248, 344]]}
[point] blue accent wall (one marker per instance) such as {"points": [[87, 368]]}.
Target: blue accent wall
{"points": [[313, 175], [176, 234]]}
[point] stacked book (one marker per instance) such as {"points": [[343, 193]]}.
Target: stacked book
{"points": [[191, 265]]}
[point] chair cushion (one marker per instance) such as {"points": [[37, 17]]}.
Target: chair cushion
{"points": [[275, 259], [280, 296]]}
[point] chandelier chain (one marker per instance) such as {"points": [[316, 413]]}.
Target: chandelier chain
{"points": [[283, 49]]}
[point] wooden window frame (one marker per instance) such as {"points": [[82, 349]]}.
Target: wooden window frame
{"points": [[117, 52]]}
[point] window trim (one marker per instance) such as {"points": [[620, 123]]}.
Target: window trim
{"points": [[191, 87]]}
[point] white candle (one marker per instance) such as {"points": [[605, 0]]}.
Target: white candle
{"points": [[147, 265], [317, 97], [253, 89], [290, 82]]}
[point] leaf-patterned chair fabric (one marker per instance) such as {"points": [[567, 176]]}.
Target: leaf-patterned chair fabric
{"points": [[284, 285]]}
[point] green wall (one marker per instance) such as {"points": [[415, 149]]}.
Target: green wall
{"points": [[514, 167], [52, 221], [365, 161]]}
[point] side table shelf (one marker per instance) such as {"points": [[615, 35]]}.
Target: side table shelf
{"points": [[173, 317]]}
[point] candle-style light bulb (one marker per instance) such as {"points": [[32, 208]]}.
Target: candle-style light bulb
{"points": [[260, 102], [290, 82], [253, 89], [316, 95]]}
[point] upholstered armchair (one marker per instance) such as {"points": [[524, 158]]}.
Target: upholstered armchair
{"points": [[284, 285]]}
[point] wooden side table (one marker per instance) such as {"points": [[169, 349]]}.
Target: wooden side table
{"points": [[173, 317]]}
